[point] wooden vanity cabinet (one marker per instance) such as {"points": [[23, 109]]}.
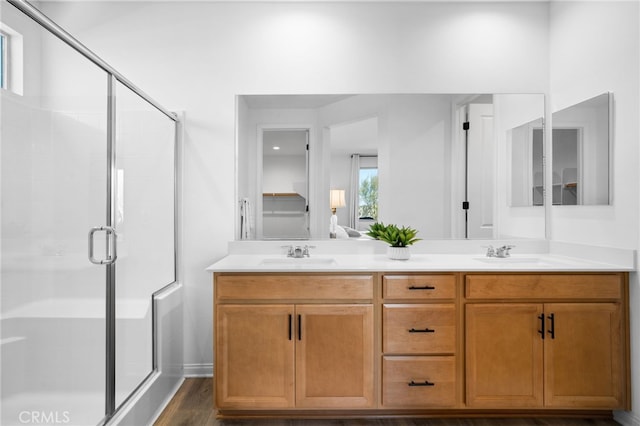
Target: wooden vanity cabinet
{"points": [[545, 341], [389, 343], [294, 341]]}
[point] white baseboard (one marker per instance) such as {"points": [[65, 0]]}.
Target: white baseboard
{"points": [[198, 370], [626, 418]]}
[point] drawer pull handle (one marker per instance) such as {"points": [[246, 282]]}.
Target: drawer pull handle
{"points": [[426, 287], [552, 331], [426, 330], [425, 383]]}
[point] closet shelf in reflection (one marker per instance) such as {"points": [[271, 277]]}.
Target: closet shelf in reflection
{"points": [[281, 194], [283, 204], [283, 213]]}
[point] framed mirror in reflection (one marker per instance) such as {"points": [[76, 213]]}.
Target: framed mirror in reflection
{"points": [[581, 139], [410, 159], [525, 150]]}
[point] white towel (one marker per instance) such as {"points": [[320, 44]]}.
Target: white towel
{"points": [[246, 219]]}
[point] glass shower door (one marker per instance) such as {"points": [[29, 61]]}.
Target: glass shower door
{"points": [[54, 190], [145, 223]]}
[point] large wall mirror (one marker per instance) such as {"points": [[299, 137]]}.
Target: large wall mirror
{"points": [[408, 159], [581, 157]]}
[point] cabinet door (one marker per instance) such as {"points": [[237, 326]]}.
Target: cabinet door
{"points": [[583, 360], [254, 356], [334, 356], [504, 354]]}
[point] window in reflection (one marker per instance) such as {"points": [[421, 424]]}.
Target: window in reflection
{"points": [[368, 194]]}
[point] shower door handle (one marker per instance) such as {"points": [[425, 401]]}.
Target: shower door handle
{"points": [[112, 252]]}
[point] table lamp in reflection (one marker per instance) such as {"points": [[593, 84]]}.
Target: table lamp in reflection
{"points": [[336, 200]]}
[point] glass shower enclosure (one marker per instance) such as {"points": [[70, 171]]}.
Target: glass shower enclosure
{"points": [[88, 230]]}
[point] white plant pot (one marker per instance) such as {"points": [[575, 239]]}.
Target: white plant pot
{"points": [[398, 253]]}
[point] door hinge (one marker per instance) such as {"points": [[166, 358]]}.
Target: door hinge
{"points": [[465, 125], [465, 205]]}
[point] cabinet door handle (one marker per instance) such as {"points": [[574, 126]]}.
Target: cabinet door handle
{"points": [[425, 383], [552, 331], [290, 326], [541, 331], [426, 287], [299, 327], [426, 330]]}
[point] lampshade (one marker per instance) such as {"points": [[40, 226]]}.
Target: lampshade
{"points": [[336, 198]]}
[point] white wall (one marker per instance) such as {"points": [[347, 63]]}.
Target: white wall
{"points": [[414, 164], [284, 174], [196, 56], [595, 48]]}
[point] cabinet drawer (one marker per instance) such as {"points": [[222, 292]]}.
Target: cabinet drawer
{"points": [[419, 286], [547, 286], [292, 287], [419, 329], [418, 381]]}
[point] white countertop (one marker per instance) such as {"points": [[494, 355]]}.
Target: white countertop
{"points": [[537, 262]]}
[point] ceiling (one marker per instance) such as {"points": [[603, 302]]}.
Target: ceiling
{"points": [[359, 137], [306, 1], [291, 101]]}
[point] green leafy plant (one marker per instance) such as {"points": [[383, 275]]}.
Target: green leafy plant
{"points": [[393, 235]]}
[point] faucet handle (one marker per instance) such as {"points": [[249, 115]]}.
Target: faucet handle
{"points": [[305, 252], [490, 250], [289, 250], [506, 250]]}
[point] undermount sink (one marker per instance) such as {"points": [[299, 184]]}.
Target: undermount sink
{"points": [[510, 260], [299, 261]]}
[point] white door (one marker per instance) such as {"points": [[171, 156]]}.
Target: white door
{"points": [[481, 171]]}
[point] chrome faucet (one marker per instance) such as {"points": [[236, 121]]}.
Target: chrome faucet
{"points": [[298, 251], [500, 252]]}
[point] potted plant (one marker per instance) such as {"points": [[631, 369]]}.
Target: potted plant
{"points": [[398, 238]]}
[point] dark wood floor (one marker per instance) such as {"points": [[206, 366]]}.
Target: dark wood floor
{"points": [[193, 406]]}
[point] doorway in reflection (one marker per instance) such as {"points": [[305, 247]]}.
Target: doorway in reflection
{"points": [[285, 183]]}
